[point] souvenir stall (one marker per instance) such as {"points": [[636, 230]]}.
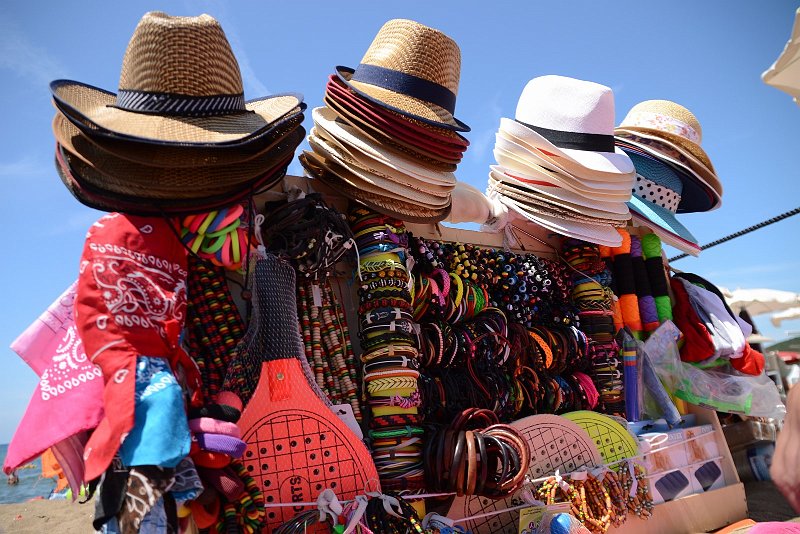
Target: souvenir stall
{"points": [[245, 351]]}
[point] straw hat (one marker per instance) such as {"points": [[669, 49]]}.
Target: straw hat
{"points": [[110, 173], [400, 209], [670, 121], [702, 188], [368, 152], [411, 69], [573, 121], [102, 200], [180, 83]]}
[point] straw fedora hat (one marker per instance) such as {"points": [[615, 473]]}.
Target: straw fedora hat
{"points": [[99, 199], [400, 209], [571, 120], [411, 69], [111, 173], [364, 150], [670, 121], [179, 83]]}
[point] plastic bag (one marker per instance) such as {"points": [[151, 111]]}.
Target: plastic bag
{"points": [[721, 389]]}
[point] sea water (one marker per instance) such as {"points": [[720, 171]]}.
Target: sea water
{"points": [[31, 484]]}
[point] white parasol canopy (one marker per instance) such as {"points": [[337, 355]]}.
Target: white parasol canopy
{"points": [[761, 301], [785, 315], [784, 74]]}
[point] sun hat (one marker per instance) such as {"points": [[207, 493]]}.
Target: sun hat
{"points": [[434, 158], [325, 121], [340, 92], [671, 121], [517, 190], [469, 205], [557, 194], [179, 83], [170, 155], [136, 179], [400, 209], [702, 188], [102, 200], [656, 196], [411, 69], [572, 120], [600, 234]]}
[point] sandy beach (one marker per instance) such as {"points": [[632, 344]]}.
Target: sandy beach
{"points": [[44, 516]]}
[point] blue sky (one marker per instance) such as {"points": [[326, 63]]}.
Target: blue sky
{"points": [[707, 56]]}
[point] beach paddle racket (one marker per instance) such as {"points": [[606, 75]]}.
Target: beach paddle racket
{"points": [[296, 446], [612, 439], [555, 443]]}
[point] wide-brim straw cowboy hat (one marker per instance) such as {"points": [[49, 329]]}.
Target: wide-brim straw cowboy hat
{"points": [[572, 121], [435, 159], [179, 83], [556, 193], [102, 200], [325, 119], [178, 155], [343, 94], [400, 209], [114, 174], [599, 234], [703, 190], [411, 69], [558, 211]]}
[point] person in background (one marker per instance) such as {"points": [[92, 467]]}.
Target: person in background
{"points": [[13, 478], [785, 469]]}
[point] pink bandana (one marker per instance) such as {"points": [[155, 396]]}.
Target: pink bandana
{"points": [[68, 398]]}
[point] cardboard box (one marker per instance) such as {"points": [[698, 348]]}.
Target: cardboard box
{"points": [[679, 448]]}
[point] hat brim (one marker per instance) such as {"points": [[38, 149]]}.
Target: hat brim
{"points": [[558, 211], [601, 235], [656, 218], [532, 173], [557, 194], [688, 146], [393, 120], [396, 185], [96, 108], [664, 149], [407, 106], [399, 209], [611, 163], [110, 173], [435, 159], [325, 119], [98, 199]]}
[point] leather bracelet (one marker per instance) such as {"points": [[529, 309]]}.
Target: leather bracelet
{"points": [[395, 383], [398, 372], [383, 315], [457, 465], [386, 362], [392, 351]]}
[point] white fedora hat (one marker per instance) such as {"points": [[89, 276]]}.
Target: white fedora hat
{"points": [[572, 120]]}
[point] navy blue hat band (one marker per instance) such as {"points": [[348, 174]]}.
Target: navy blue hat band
{"points": [[407, 84]]}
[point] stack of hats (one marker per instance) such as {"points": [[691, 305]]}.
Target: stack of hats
{"points": [[673, 172], [557, 164], [178, 137], [387, 137]]}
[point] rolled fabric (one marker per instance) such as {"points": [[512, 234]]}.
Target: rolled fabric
{"points": [[222, 412], [626, 283], [225, 481], [647, 305], [221, 443], [659, 286], [209, 425], [212, 460]]}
